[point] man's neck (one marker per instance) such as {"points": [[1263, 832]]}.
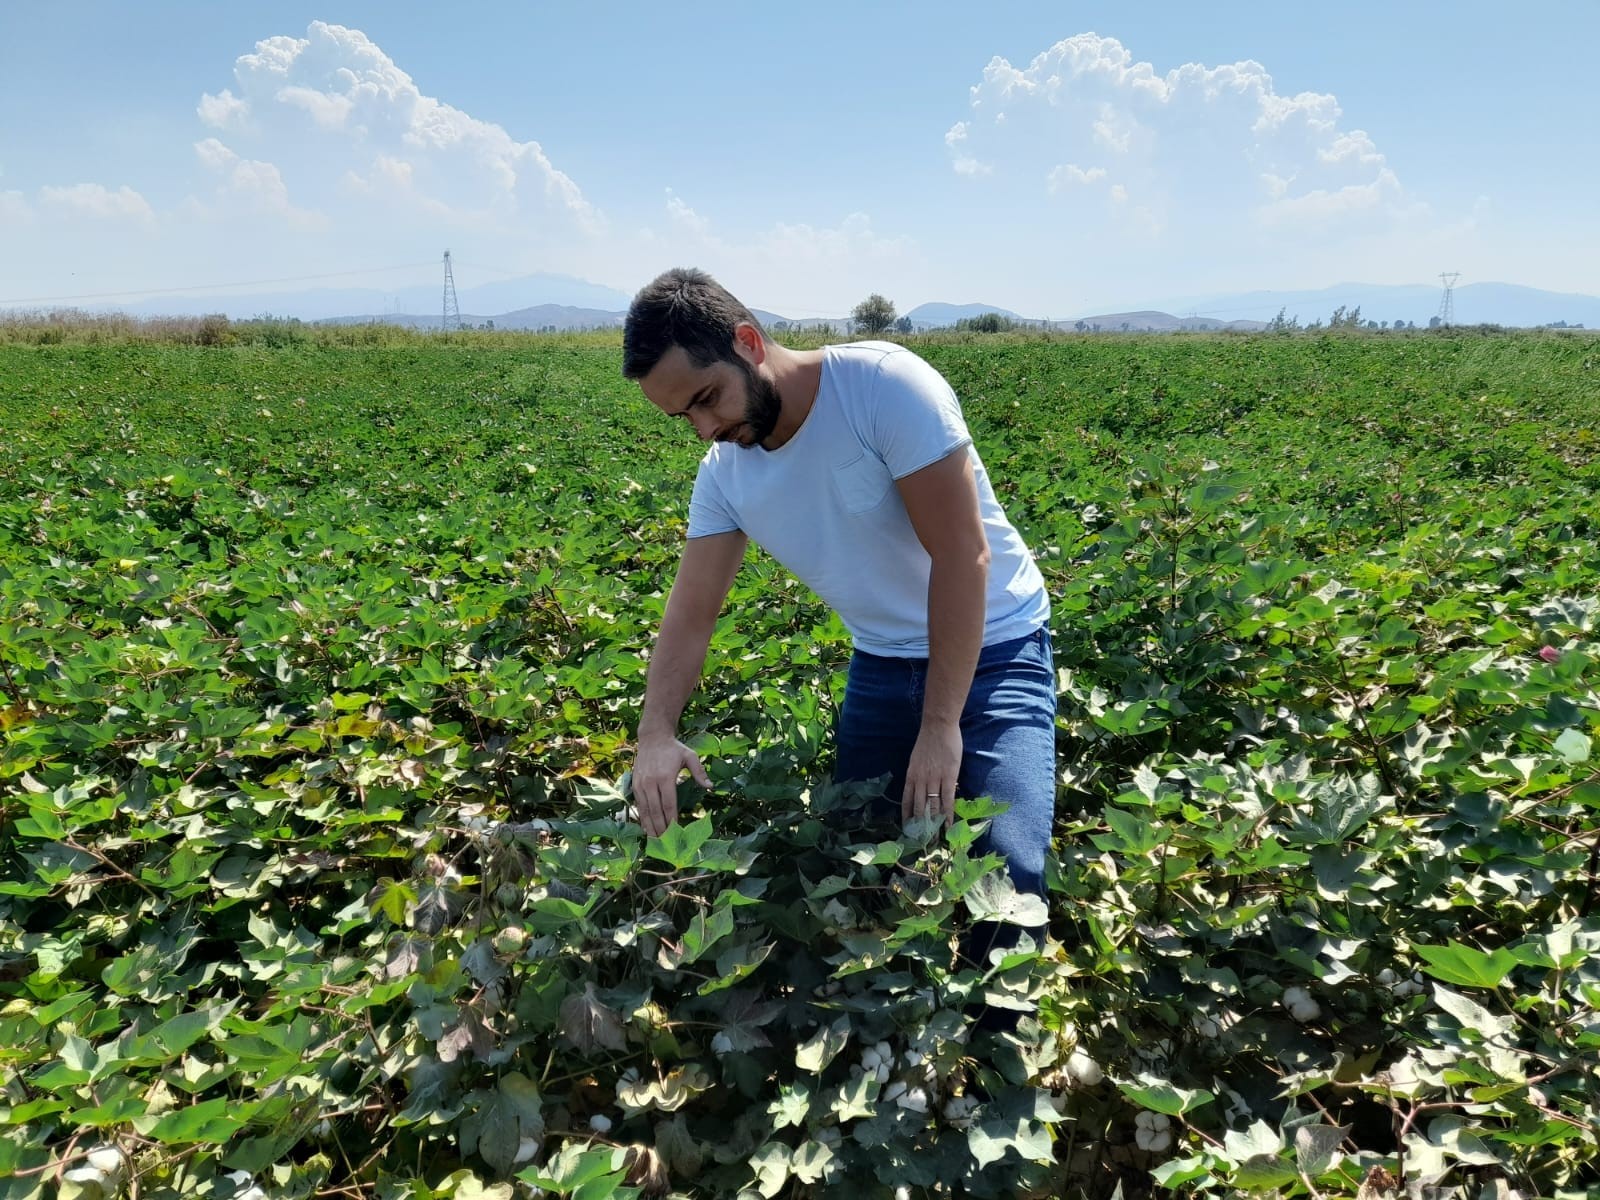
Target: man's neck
{"points": [[798, 375]]}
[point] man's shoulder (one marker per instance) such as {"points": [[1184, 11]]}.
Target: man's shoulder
{"points": [[855, 366]]}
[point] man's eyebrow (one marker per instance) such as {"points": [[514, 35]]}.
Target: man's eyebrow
{"points": [[693, 400]]}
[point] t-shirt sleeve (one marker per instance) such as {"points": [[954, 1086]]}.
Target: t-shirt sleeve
{"points": [[709, 511], [914, 419]]}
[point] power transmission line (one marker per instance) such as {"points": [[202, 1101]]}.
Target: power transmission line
{"points": [[211, 287]]}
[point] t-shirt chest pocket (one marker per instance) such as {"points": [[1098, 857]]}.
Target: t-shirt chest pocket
{"points": [[862, 482]]}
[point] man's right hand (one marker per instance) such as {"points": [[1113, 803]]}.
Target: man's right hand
{"points": [[656, 769]]}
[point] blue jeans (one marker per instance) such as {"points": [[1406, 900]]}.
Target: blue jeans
{"points": [[1008, 734]]}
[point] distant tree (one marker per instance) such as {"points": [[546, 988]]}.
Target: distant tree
{"points": [[903, 325], [873, 315], [1434, 322], [1081, 326], [1283, 323], [1343, 319], [989, 322]]}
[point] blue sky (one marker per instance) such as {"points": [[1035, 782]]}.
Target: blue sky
{"points": [[1048, 158]]}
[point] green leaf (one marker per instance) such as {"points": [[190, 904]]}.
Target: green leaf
{"points": [[589, 1025], [989, 1142], [1316, 1147], [815, 1053], [995, 898], [394, 899], [1162, 1096], [1261, 1172], [770, 1163], [854, 1098], [1260, 1140], [678, 844], [217, 1120], [1471, 1014], [1466, 966], [791, 1106], [1176, 1172]]}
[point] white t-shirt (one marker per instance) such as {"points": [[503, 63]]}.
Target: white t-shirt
{"points": [[824, 503]]}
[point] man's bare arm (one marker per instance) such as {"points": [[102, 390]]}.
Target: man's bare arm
{"points": [[942, 502], [705, 575]]}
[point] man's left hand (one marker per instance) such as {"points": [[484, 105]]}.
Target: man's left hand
{"points": [[931, 775]]}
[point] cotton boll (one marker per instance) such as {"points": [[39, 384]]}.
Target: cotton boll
{"points": [[527, 1151], [106, 1159], [600, 1123], [958, 1110], [915, 1100], [882, 1073], [1153, 1140], [1301, 1004], [1083, 1070], [895, 1090]]}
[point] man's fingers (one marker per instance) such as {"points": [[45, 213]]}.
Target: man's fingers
{"points": [[698, 771]]}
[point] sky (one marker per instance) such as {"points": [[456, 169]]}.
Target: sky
{"points": [[1048, 158]]}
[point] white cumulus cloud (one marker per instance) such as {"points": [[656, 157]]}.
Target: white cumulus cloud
{"points": [[1190, 147], [343, 118], [222, 110], [257, 186]]}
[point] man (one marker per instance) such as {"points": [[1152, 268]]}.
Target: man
{"points": [[853, 467]]}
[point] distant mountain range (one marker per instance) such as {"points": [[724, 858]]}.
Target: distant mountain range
{"points": [[560, 302]]}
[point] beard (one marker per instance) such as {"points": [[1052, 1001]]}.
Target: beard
{"points": [[762, 405]]}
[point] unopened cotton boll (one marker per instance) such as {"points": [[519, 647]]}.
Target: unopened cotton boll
{"points": [[1301, 1004]]}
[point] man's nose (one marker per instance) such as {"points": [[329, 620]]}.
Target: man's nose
{"points": [[704, 426]]}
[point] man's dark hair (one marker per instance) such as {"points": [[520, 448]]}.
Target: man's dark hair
{"points": [[681, 307]]}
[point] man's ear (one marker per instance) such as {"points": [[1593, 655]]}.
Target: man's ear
{"points": [[747, 342]]}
